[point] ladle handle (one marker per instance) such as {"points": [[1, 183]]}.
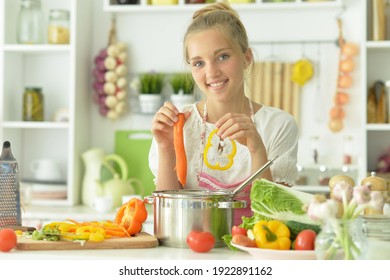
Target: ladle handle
{"points": [[254, 176]]}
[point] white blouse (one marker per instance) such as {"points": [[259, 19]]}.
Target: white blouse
{"points": [[278, 131]]}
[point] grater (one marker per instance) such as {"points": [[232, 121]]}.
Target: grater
{"points": [[10, 212]]}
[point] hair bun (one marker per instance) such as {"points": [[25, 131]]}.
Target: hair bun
{"points": [[217, 6]]}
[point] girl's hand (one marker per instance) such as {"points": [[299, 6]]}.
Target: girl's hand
{"points": [[162, 124], [240, 127]]}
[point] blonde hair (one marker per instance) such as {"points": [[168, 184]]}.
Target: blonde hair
{"points": [[222, 17]]}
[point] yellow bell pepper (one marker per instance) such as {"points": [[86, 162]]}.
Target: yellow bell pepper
{"points": [[228, 158], [272, 235]]}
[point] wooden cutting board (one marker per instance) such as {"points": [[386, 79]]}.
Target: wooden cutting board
{"points": [[141, 240]]}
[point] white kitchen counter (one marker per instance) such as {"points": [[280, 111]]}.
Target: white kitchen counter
{"points": [[156, 253]]}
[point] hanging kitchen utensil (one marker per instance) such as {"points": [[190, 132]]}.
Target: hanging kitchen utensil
{"points": [[287, 88], [318, 99], [295, 103], [255, 81], [277, 84], [267, 85], [268, 66], [302, 70]]}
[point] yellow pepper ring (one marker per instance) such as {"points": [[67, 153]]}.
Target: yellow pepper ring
{"points": [[230, 157]]}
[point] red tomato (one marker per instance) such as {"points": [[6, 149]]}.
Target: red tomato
{"points": [[8, 240], [238, 230], [305, 240], [200, 241]]}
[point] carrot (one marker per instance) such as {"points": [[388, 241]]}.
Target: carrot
{"points": [[181, 158], [243, 240]]}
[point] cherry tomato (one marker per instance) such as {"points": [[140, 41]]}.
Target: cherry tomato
{"points": [[238, 230], [200, 241], [305, 240], [8, 240]]}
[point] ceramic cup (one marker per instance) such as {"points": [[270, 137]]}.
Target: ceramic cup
{"points": [[103, 204], [46, 170]]}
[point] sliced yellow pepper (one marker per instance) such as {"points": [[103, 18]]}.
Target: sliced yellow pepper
{"points": [[66, 227], [272, 235], [217, 165]]}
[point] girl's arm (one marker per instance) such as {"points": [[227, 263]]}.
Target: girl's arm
{"points": [[166, 174]]}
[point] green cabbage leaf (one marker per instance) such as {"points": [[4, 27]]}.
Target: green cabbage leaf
{"points": [[273, 201]]}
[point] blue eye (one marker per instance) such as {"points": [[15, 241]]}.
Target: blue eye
{"points": [[223, 57], [198, 64]]}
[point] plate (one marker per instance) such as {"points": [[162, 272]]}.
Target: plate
{"points": [[268, 254]]}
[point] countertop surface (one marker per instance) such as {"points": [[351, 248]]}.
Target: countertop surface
{"points": [[156, 253]]}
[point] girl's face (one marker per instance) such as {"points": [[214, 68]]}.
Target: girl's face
{"points": [[217, 67]]}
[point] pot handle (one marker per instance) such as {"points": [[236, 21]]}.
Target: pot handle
{"points": [[231, 204], [149, 200]]}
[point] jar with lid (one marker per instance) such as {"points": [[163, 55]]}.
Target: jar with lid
{"points": [[32, 104], [347, 150], [30, 28], [377, 231], [58, 28]]}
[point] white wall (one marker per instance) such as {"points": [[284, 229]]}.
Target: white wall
{"points": [[155, 43]]}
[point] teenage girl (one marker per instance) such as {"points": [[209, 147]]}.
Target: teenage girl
{"points": [[227, 136]]}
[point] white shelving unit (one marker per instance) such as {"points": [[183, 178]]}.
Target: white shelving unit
{"points": [[62, 73], [240, 5], [377, 67]]}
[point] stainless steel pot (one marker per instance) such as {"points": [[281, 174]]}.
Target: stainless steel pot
{"points": [[178, 212]]}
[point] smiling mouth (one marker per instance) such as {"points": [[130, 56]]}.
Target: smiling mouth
{"points": [[215, 85]]}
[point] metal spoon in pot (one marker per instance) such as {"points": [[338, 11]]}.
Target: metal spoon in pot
{"points": [[253, 177]]}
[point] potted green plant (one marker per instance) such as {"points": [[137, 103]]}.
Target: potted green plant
{"points": [[183, 87], [149, 86], [151, 83]]}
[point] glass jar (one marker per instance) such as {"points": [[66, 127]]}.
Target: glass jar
{"points": [[58, 28], [32, 104], [377, 231], [30, 29], [347, 150], [341, 239]]}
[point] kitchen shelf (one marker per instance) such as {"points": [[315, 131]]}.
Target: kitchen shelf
{"points": [[63, 75], [35, 125], [376, 54], [144, 6], [378, 127], [378, 44], [36, 48]]}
